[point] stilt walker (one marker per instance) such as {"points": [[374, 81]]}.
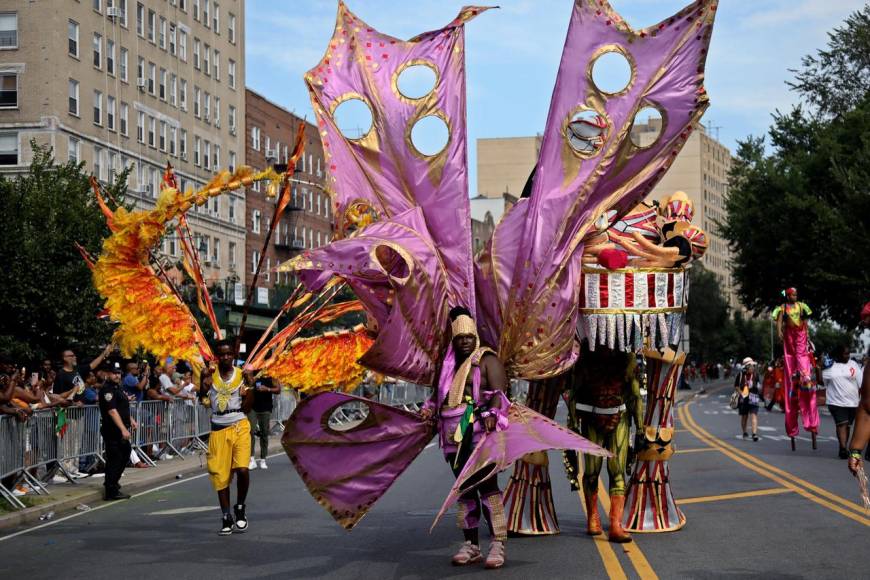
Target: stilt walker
{"points": [[800, 374]]}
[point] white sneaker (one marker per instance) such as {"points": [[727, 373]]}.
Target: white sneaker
{"points": [[166, 456], [262, 464], [252, 464], [58, 479]]}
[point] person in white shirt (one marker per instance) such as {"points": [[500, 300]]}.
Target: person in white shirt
{"points": [[842, 381]]}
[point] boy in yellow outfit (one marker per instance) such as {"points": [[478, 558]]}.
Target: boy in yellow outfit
{"points": [[227, 390]]}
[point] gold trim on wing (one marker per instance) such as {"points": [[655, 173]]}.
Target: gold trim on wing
{"points": [[618, 49], [405, 66], [369, 139]]}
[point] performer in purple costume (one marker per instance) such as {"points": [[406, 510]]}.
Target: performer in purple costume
{"points": [[469, 400]]}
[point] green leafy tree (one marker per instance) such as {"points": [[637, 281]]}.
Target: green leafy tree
{"points": [[707, 316], [48, 299], [799, 214]]}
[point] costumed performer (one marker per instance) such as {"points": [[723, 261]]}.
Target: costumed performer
{"points": [[229, 392], [799, 376], [861, 435], [604, 401], [469, 400]]}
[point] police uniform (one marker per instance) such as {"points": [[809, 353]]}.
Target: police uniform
{"points": [[118, 449]]}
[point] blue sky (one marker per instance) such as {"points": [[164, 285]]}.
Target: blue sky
{"points": [[513, 54]]}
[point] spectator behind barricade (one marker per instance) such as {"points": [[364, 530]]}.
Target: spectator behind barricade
{"points": [[188, 389], [155, 416], [10, 379], [260, 418], [69, 381], [160, 385], [133, 384]]}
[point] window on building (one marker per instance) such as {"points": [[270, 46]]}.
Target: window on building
{"points": [[8, 30], [162, 84], [206, 59], [216, 159], [255, 259], [217, 65], [140, 128], [110, 57], [173, 89], [182, 96], [255, 221], [182, 144], [206, 108], [182, 45], [231, 28], [8, 148], [196, 100], [152, 130], [232, 210], [161, 34], [197, 150], [231, 254], [162, 142], [216, 18], [232, 166], [140, 68], [196, 53], [206, 20], [173, 39], [216, 252], [152, 77], [173, 139], [122, 65], [98, 50], [123, 118], [98, 163], [122, 4], [140, 19], [110, 113], [73, 106], [73, 38], [206, 157], [232, 118], [98, 108], [231, 73], [217, 112], [255, 138], [152, 25], [98, 5], [73, 149], [318, 204]]}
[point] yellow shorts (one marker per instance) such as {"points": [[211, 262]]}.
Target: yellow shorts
{"points": [[228, 449]]}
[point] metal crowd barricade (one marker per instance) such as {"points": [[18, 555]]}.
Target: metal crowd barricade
{"points": [[81, 437], [183, 432], [12, 454]]}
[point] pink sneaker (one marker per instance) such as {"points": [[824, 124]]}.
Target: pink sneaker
{"points": [[468, 554], [495, 558]]}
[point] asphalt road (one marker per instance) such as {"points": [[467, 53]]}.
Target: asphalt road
{"points": [[794, 516]]}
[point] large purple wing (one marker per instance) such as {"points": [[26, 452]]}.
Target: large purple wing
{"points": [[526, 433], [581, 173], [348, 470], [382, 169], [394, 269]]}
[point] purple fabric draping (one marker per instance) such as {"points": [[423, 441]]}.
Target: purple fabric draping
{"points": [[382, 169], [348, 471], [571, 189], [527, 432], [394, 269]]}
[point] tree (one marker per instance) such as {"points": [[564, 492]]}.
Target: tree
{"points": [[48, 299], [707, 315], [800, 214]]}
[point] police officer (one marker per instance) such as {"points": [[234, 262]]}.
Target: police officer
{"points": [[115, 427]]}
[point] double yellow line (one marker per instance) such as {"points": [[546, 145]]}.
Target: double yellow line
{"points": [[787, 480], [608, 555]]}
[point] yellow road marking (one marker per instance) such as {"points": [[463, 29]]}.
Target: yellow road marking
{"points": [[786, 479], [696, 449], [631, 549], [605, 550], [681, 431], [738, 495]]}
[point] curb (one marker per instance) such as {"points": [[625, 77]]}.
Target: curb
{"points": [[63, 506]]}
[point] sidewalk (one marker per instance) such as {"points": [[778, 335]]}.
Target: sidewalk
{"points": [[89, 491]]}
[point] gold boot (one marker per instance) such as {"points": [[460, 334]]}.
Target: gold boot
{"points": [[593, 520], [617, 533]]}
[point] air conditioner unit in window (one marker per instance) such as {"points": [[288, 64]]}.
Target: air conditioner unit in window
{"points": [[271, 154], [206, 117], [184, 156], [233, 131], [114, 12], [141, 83], [148, 188], [297, 244]]}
